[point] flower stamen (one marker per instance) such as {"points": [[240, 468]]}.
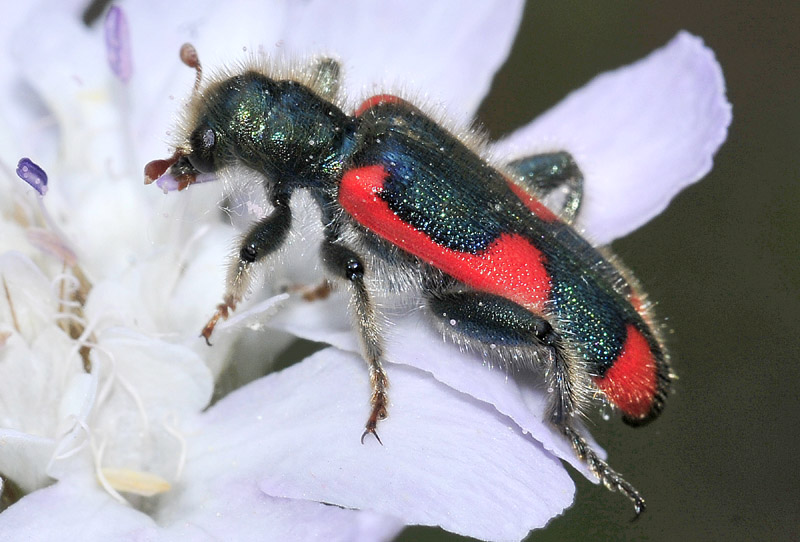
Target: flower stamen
{"points": [[101, 477], [14, 320], [172, 430], [145, 484], [32, 174], [118, 44], [124, 384]]}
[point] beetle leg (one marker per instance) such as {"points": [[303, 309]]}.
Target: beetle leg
{"points": [[508, 331], [608, 476], [544, 173], [326, 75], [263, 239], [311, 293], [344, 263]]}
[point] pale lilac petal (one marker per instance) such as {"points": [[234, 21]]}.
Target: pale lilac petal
{"points": [[40, 368], [168, 377], [23, 125], [259, 310], [446, 51], [73, 510], [35, 307], [221, 31], [228, 506], [640, 134], [411, 341], [298, 432], [68, 72], [379, 42], [25, 457], [233, 510]]}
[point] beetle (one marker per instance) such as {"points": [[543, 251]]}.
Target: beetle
{"points": [[402, 197]]}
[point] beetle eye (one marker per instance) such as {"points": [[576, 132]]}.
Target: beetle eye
{"points": [[203, 140]]}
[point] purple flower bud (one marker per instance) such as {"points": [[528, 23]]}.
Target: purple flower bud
{"points": [[33, 175], [118, 44]]}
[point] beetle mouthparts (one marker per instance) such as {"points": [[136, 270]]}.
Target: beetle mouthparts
{"points": [[156, 168]]}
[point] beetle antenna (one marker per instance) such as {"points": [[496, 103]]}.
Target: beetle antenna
{"points": [[190, 58]]}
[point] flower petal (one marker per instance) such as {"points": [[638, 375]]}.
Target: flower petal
{"points": [[67, 71], [381, 44], [71, 510], [153, 385], [298, 432], [640, 134], [410, 340], [227, 506], [21, 113], [448, 51], [24, 458], [219, 30], [76, 510]]}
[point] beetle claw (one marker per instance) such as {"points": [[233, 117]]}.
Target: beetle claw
{"points": [[222, 312], [370, 430]]}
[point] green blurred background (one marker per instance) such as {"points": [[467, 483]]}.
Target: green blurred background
{"points": [[722, 263]]}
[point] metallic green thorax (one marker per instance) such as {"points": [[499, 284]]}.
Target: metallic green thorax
{"points": [[278, 128]]}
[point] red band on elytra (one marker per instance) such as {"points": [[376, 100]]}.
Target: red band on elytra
{"points": [[510, 267]]}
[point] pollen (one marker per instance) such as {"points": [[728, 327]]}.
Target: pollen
{"points": [[136, 482]]}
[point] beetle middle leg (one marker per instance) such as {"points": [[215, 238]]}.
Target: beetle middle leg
{"points": [[544, 173], [263, 239], [344, 263], [518, 336]]}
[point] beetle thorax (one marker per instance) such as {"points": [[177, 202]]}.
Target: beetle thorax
{"points": [[281, 128]]}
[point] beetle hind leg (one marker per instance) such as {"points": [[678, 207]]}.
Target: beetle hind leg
{"points": [[563, 409], [326, 78], [496, 325], [544, 173], [608, 476]]}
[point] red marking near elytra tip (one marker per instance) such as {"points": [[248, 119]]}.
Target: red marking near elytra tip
{"points": [[631, 382], [510, 267], [369, 103]]}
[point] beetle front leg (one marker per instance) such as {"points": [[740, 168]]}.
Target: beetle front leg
{"points": [[263, 239], [344, 263]]}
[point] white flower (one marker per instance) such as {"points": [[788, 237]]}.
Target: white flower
{"points": [[106, 284]]}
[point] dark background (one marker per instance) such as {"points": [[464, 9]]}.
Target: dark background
{"points": [[721, 261]]}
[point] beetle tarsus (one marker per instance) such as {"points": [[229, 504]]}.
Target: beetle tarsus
{"points": [[370, 430], [379, 400], [223, 309], [610, 478]]}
